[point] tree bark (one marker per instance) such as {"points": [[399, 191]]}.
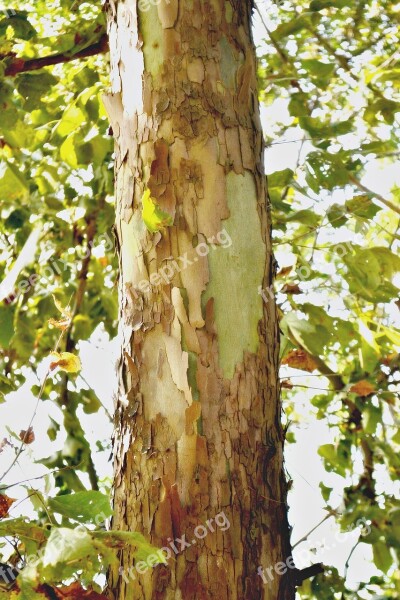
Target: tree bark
{"points": [[197, 422]]}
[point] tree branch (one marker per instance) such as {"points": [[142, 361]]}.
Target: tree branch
{"points": [[284, 56], [19, 65], [303, 574], [70, 343], [335, 379], [366, 190], [332, 512]]}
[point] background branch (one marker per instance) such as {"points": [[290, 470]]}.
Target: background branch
{"points": [[19, 65]]}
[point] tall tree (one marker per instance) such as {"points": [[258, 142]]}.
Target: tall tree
{"points": [[336, 232], [198, 415]]}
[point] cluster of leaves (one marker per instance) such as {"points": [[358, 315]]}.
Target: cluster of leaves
{"points": [[68, 542], [332, 69], [56, 208]]}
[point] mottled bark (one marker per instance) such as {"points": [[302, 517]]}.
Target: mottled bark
{"points": [[197, 415]]}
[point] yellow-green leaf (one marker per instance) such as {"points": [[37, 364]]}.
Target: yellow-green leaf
{"points": [[154, 218], [66, 361]]}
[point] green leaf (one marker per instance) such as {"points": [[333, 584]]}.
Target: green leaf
{"points": [[382, 556], [337, 458], [298, 105], [85, 507], [280, 179], [318, 68], [53, 429], [362, 206], [336, 215], [24, 335], [370, 271], [68, 151], [372, 415], [328, 452], [317, 5], [318, 316], [305, 216], [12, 183], [322, 401], [387, 75], [291, 27], [82, 327], [67, 551], [32, 86], [93, 152], [72, 118], [25, 529], [392, 334], [369, 356], [21, 27], [383, 107], [325, 491], [312, 338], [395, 523], [142, 547], [324, 170], [321, 129], [90, 402], [17, 218], [6, 324], [18, 134]]}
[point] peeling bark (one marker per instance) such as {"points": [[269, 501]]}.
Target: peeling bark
{"points": [[197, 421]]}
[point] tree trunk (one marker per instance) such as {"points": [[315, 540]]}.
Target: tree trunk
{"points": [[198, 439]]}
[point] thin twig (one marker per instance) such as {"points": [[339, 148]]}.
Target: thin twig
{"points": [[332, 513], [378, 196], [346, 565], [21, 448], [7, 487]]}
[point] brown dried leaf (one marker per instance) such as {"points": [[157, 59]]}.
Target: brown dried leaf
{"points": [[291, 288], [283, 272], [300, 359], [62, 324], [103, 260], [28, 437], [390, 359], [287, 384], [363, 388], [4, 442], [5, 503]]}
